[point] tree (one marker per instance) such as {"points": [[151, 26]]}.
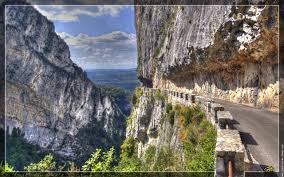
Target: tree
{"points": [[128, 146], [5, 167], [100, 161], [46, 164], [128, 158]]}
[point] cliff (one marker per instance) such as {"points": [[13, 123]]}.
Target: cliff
{"points": [[227, 52], [170, 136], [49, 97], [150, 124]]}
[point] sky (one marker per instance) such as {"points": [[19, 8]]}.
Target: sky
{"points": [[99, 37]]}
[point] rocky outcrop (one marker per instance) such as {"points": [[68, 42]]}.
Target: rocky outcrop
{"points": [[228, 52], [48, 96], [150, 125]]}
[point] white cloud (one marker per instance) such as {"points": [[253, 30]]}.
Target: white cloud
{"points": [[72, 13], [84, 40], [112, 50]]}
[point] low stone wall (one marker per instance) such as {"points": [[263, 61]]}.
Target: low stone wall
{"points": [[229, 146]]}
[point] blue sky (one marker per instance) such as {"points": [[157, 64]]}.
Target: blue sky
{"points": [[99, 37]]}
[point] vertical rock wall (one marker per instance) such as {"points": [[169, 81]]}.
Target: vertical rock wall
{"points": [[228, 52], [48, 96]]}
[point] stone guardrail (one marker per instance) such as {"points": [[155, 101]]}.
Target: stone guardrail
{"points": [[229, 147]]}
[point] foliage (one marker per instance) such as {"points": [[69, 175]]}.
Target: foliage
{"points": [[199, 140], [171, 117], [100, 161], [149, 157], [128, 159], [177, 107], [8, 168], [46, 164], [129, 120], [128, 146], [136, 96], [20, 153], [172, 113], [159, 95], [166, 160], [183, 135], [129, 164], [169, 107], [202, 157], [5, 167], [189, 115]]}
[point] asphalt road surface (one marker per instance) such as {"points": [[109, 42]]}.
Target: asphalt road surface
{"points": [[259, 131]]}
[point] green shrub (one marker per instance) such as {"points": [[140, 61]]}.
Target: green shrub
{"points": [[100, 161], [198, 137], [172, 117], [128, 157], [5, 167], [159, 96], [149, 155], [169, 107], [166, 160], [177, 107], [197, 118], [137, 94], [129, 164], [200, 146], [46, 164], [129, 146], [129, 120], [203, 159], [187, 114], [191, 115]]}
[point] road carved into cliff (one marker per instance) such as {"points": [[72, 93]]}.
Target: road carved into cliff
{"points": [[258, 128]]}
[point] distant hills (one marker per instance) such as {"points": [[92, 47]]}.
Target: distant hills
{"points": [[123, 78]]}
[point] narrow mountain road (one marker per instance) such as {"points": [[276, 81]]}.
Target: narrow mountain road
{"points": [[259, 131]]}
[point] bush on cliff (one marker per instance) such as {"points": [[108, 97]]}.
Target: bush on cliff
{"points": [[171, 117], [136, 96], [128, 160], [159, 96], [46, 164], [5, 167], [149, 157], [198, 137], [100, 161], [169, 107], [190, 114]]}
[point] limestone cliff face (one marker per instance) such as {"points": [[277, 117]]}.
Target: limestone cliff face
{"points": [[150, 125], [228, 52], [50, 98]]}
